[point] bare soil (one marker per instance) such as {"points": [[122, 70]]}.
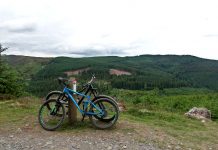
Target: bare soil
{"points": [[119, 72]]}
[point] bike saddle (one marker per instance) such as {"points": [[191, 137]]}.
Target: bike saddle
{"points": [[62, 80]]}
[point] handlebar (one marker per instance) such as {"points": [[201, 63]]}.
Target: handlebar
{"points": [[63, 81], [92, 79]]}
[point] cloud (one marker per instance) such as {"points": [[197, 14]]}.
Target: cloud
{"points": [[50, 49], [18, 26], [96, 52], [24, 29], [94, 28], [211, 35]]}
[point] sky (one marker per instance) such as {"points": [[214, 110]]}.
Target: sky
{"points": [[84, 28]]}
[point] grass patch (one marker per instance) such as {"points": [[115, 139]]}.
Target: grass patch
{"points": [[16, 112], [163, 110], [189, 131]]}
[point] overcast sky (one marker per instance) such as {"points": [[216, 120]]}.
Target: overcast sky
{"points": [[109, 27]]}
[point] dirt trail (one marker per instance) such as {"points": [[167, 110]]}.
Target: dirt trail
{"points": [[124, 136]]}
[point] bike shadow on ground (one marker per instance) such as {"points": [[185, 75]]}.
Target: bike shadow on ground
{"points": [[79, 125]]}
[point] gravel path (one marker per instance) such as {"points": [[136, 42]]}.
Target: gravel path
{"points": [[88, 139]]}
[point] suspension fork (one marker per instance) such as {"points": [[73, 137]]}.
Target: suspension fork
{"points": [[56, 108]]}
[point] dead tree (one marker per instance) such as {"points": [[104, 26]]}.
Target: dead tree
{"points": [[2, 49]]}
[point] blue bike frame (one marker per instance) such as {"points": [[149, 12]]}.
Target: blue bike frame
{"points": [[69, 91]]}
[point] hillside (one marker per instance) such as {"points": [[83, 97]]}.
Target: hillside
{"points": [[147, 71], [26, 65]]}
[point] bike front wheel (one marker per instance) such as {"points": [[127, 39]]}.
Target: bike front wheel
{"points": [[51, 114], [106, 113]]}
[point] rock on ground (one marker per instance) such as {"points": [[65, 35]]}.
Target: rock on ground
{"points": [[199, 113]]}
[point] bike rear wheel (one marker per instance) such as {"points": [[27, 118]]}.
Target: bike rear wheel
{"points": [[51, 114], [109, 115]]}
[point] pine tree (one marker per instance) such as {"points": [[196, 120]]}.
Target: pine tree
{"points": [[10, 81]]}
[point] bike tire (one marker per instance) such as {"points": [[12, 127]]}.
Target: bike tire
{"points": [[102, 124], [110, 98], [57, 94], [61, 114]]}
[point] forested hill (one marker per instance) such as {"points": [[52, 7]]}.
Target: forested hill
{"points": [[144, 72], [26, 65]]}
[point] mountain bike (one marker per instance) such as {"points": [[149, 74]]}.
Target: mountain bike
{"points": [[87, 88], [103, 112]]}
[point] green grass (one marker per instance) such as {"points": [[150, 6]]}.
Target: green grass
{"points": [[171, 100], [193, 133], [164, 111], [18, 112]]}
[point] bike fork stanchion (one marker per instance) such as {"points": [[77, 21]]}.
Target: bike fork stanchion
{"points": [[72, 109]]}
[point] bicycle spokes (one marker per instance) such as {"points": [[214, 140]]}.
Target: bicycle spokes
{"points": [[107, 115], [51, 115]]}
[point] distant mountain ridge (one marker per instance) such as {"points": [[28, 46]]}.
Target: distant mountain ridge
{"points": [[147, 71]]}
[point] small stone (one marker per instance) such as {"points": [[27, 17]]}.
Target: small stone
{"points": [[49, 143], [109, 148], [74, 147], [177, 147], [11, 136], [19, 130], [52, 147], [2, 140], [169, 146], [78, 146], [124, 147]]}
